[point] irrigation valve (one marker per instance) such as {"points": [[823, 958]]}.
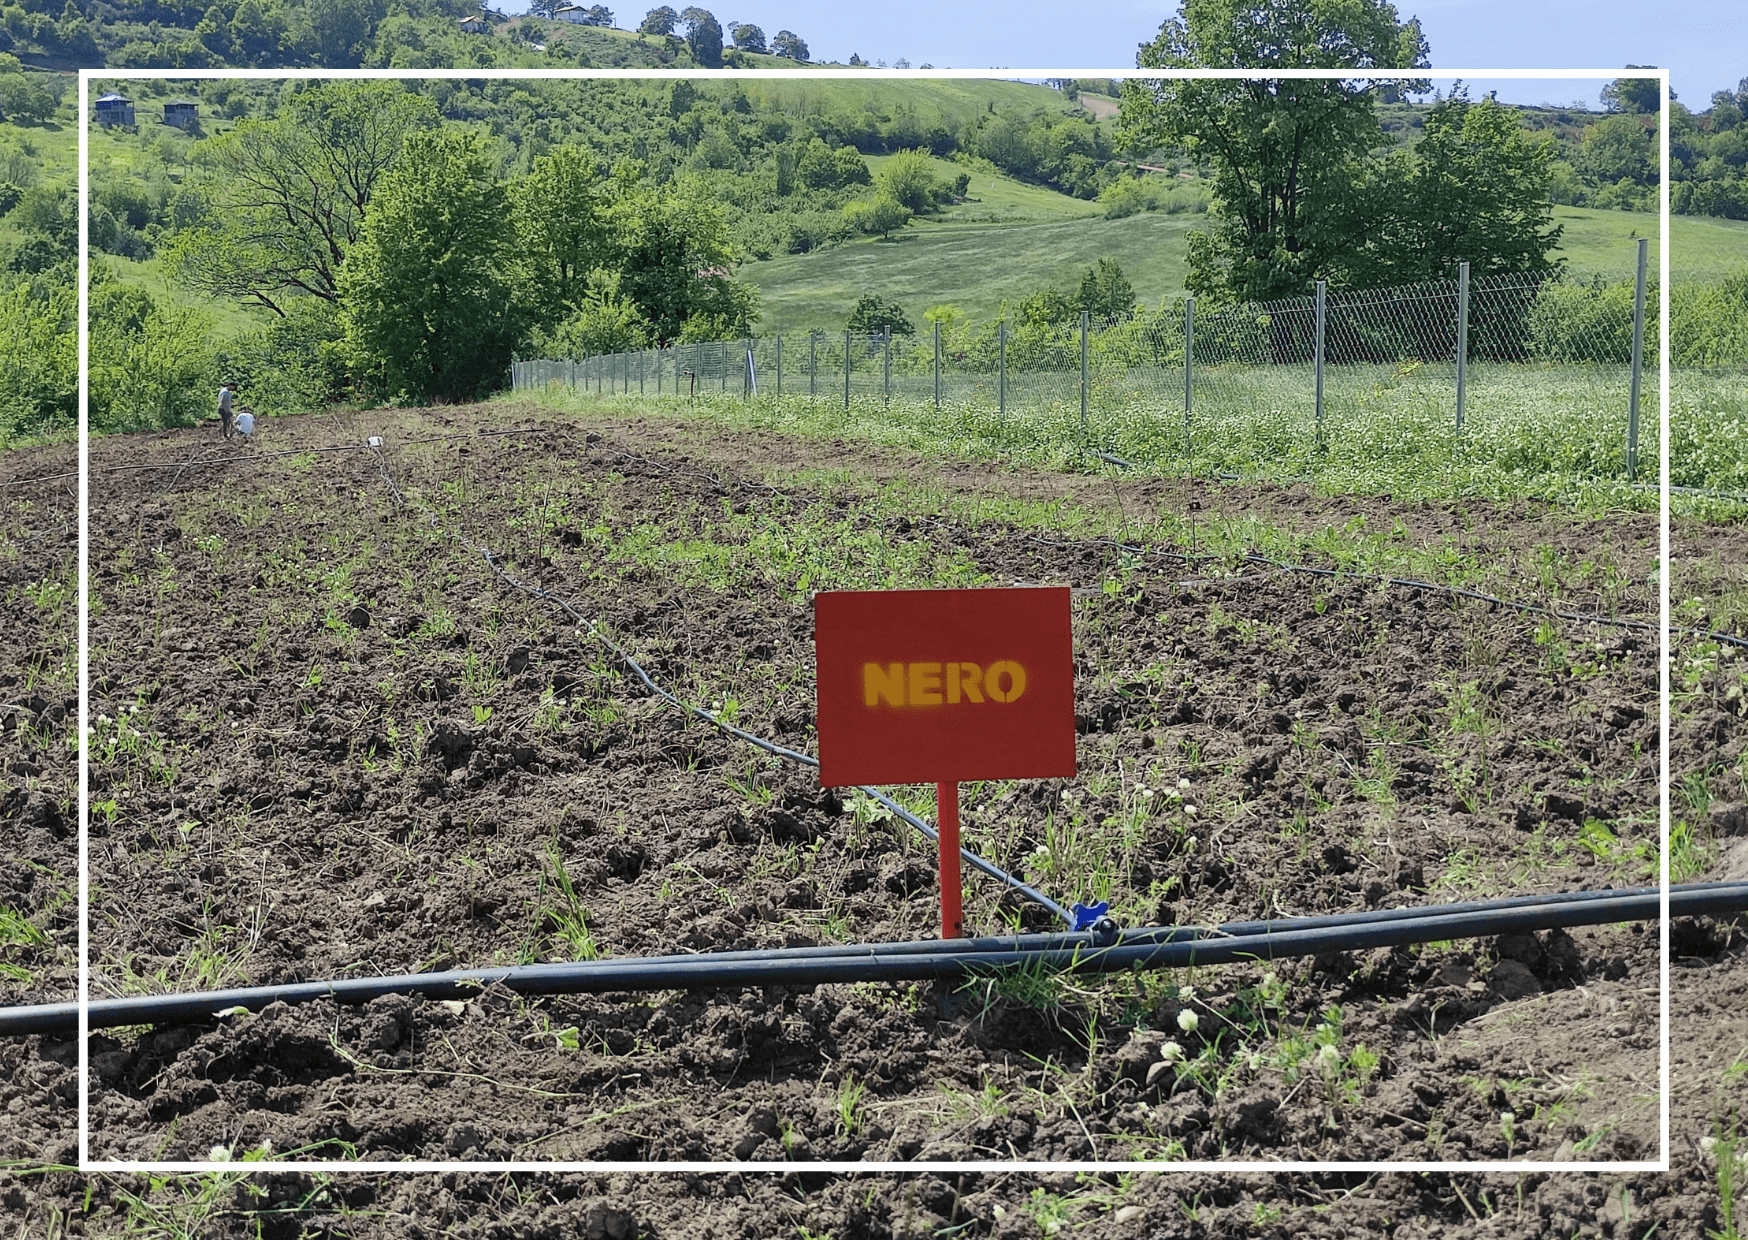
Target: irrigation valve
{"points": [[940, 686]]}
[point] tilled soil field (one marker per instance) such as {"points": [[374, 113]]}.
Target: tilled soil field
{"points": [[332, 742], [38, 790]]}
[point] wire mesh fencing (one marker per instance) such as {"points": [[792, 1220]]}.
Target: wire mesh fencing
{"points": [[1517, 371]]}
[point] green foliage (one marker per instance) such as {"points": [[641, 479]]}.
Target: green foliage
{"points": [[675, 259], [908, 178], [873, 313], [291, 362], [660, 20], [23, 102], [880, 214], [39, 364], [1105, 292], [151, 362], [562, 230], [1636, 95], [290, 192], [428, 308], [821, 167], [603, 321], [1285, 152], [703, 36]]}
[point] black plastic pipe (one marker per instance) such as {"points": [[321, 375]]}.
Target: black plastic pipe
{"points": [[1153, 948]]}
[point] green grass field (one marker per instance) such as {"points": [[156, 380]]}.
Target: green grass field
{"points": [[973, 266]]}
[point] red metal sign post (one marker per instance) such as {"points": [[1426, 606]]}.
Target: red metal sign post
{"points": [[939, 686]]}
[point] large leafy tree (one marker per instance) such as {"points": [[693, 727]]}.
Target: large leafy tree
{"points": [[675, 259], [1634, 94], [428, 304], [1285, 151], [659, 21], [788, 43], [562, 231], [703, 36], [1474, 189], [289, 193]]}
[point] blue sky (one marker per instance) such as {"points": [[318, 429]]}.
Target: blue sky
{"points": [[1704, 42]]}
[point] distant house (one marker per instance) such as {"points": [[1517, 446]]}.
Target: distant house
{"points": [[577, 14], [113, 109], [473, 25], [182, 113]]}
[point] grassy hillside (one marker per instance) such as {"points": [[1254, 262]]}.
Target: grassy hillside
{"points": [[1012, 239], [973, 266]]}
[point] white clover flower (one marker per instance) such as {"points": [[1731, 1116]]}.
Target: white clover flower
{"points": [[266, 1146], [1183, 783], [219, 1153], [1186, 993], [1147, 794], [1708, 1146], [1508, 1117], [1190, 810], [1171, 1052], [1269, 980], [1187, 1021], [1328, 1060], [1189, 843], [104, 719]]}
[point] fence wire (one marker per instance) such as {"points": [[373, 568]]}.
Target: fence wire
{"points": [[1523, 362]]}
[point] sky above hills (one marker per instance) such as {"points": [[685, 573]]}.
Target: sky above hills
{"points": [[1704, 42]]}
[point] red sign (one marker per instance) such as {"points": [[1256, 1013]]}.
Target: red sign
{"points": [[928, 686]]}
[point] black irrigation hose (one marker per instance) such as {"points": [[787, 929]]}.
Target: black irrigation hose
{"points": [[1159, 947], [697, 712]]}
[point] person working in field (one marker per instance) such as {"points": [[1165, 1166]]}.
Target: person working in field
{"points": [[227, 390]]}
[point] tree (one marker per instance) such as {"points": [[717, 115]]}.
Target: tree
{"points": [[561, 231], [659, 21], [703, 36], [909, 178], [789, 44], [675, 261], [290, 193], [427, 308], [1475, 189], [880, 214], [598, 15], [1637, 95], [873, 313], [1105, 292], [22, 102], [820, 167], [1618, 148], [1284, 151], [749, 38]]}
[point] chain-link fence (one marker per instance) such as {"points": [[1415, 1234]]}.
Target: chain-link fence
{"points": [[1500, 366]]}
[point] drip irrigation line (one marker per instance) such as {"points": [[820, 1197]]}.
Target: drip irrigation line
{"points": [[697, 712], [24, 482], [1159, 947]]}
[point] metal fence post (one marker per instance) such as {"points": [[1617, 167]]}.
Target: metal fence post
{"points": [[1462, 340], [1189, 366], [1322, 310], [813, 364], [886, 366], [1002, 368], [748, 378], [1084, 317], [1638, 361], [779, 367], [846, 370], [937, 364]]}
